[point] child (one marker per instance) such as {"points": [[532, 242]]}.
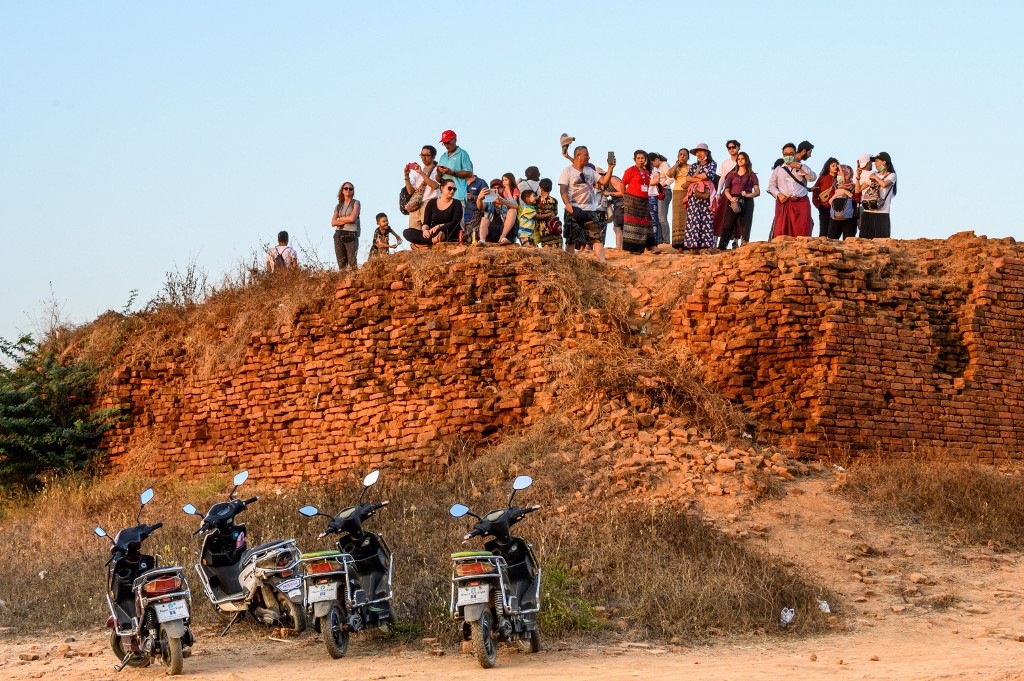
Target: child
{"points": [[381, 242], [547, 233], [527, 216]]}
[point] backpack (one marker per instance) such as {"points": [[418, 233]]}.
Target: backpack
{"points": [[841, 208], [279, 261], [403, 198]]}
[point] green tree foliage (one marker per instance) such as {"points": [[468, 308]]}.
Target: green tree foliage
{"points": [[46, 423]]}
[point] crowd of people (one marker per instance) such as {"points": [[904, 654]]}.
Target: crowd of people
{"points": [[711, 204]]}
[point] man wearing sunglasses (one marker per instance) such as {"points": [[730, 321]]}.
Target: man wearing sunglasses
{"points": [[581, 188]]}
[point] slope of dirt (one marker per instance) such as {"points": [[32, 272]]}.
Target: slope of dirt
{"points": [[916, 610]]}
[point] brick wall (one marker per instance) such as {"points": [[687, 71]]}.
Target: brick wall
{"points": [[855, 346]]}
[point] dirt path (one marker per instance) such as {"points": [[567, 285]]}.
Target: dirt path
{"points": [[915, 609]]}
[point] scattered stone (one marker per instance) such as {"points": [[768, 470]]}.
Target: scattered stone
{"points": [[467, 647], [813, 658], [918, 578], [437, 652], [69, 639], [849, 557], [429, 641], [976, 610], [725, 466], [28, 657], [846, 533], [874, 658], [898, 608]]}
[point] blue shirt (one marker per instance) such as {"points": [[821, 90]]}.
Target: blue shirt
{"points": [[459, 161], [473, 190]]}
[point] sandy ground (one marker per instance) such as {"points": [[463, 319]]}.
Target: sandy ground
{"points": [[915, 609]]}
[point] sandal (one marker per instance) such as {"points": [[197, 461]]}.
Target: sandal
{"points": [[504, 242]]}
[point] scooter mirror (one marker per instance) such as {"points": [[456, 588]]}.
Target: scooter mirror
{"points": [[522, 482], [100, 532], [240, 478], [371, 478], [458, 510], [189, 509], [309, 511], [146, 496]]}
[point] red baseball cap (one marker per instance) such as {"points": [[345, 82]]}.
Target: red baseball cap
{"points": [[447, 136]]}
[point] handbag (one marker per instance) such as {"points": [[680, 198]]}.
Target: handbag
{"points": [[415, 201], [701, 190], [403, 198], [554, 226], [737, 205]]}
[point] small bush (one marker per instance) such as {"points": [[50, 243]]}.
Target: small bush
{"points": [[46, 424], [968, 503]]}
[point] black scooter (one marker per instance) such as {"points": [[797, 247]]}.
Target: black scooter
{"points": [[496, 593], [348, 589], [263, 581], [149, 605]]}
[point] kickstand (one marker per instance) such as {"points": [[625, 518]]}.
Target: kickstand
{"points": [[231, 623], [124, 663]]}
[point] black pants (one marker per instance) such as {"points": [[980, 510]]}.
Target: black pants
{"points": [[415, 236], [842, 229], [737, 225], [346, 244], [824, 220], [874, 225]]}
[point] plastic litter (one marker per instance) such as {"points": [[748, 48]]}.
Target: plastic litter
{"points": [[838, 468], [823, 606], [786, 616]]}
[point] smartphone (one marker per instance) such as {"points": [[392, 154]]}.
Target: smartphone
{"points": [[611, 157], [410, 166]]}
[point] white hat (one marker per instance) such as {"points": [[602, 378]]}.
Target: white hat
{"points": [[565, 140], [864, 161]]}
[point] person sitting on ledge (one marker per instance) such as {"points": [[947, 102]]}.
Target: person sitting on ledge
{"points": [[442, 219]]}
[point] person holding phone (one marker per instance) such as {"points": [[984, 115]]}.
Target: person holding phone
{"points": [[581, 189], [423, 177]]}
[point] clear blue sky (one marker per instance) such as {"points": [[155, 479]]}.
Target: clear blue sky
{"points": [[138, 136]]}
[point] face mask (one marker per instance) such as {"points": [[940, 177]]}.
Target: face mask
{"points": [[882, 169], [788, 159]]}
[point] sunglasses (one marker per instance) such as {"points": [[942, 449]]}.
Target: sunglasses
{"points": [[347, 189], [449, 188], [730, 148]]}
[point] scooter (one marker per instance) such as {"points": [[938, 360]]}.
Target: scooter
{"points": [[263, 581], [496, 592], [149, 605], [348, 589]]}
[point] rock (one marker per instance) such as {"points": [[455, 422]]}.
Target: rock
{"points": [[437, 652], [28, 657], [813, 658], [467, 647], [429, 641], [976, 610], [725, 465], [645, 420], [918, 578], [874, 658], [1019, 637], [731, 517], [898, 608], [846, 533], [69, 639], [849, 558]]}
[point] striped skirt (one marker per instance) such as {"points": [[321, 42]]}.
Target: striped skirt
{"points": [[637, 235]]}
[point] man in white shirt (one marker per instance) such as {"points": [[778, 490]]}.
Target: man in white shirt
{"points": [[426, 173], [581, 189], [282, 255], [788, 185]]}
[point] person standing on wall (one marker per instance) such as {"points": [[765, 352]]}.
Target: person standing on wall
{"points": [[282, 256], [821, 194], [346, 227], [679, 172], [638, 234], [788, 184], [425, 179], [876, 192], [581, 188], [739, 190], [455, 165], [721, 208]]}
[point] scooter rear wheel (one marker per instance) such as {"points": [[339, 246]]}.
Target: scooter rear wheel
{"points": [[484, 647], [332, 626], [293, 616], [115, 646], [531, 644], [171, 653]]}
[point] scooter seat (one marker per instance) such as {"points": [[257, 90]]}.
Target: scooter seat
{"points": [[262, 547], [473, 554]]}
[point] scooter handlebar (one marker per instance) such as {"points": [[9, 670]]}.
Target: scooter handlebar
{"points": [[153, 528], [251, 501], [474, 533]]}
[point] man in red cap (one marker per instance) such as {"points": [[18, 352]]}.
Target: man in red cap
{"points": [[455, 164]]}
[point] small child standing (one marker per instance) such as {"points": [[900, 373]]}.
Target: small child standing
{"points": [[381, 241], [549, 227], [527, 216]]}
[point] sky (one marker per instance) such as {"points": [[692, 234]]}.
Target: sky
{"points": [[136, 138]]}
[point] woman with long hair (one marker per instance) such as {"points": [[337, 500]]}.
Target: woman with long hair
{"points": [[842, 215], [505, 207], [700, 221], [346, 227], [821, 194], [442, 219], [876, 192], [637, 234], [678, 172], [740, 188]]}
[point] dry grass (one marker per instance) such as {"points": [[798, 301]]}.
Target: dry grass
{"points": [[968, 503], [666, 572]]}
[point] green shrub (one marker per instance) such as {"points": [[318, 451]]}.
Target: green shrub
{"points": [[46, 423]]}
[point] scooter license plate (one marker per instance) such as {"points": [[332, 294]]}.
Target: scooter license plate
{"points": [[167, 612], [322, 592], [468, 595]]}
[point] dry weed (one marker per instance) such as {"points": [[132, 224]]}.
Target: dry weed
{"points": [[967, 502]]}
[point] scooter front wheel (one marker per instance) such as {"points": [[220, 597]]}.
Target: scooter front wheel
{"points": [[292, 615], [119, 653], [170, 653], [484, 647], [332, 626]]}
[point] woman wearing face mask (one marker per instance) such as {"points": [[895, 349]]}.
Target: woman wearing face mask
{"points": [[821, 194], [876, 191], [842, 219], [678, 173], [700, 227], [637, 234]]}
